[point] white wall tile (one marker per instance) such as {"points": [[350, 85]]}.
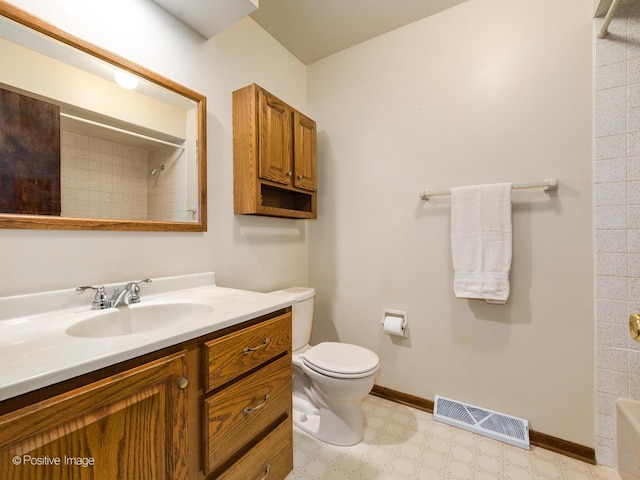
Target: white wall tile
{"points": [[634, 94], [606, 403], [609, 171], [634, 290], [633, 144], [633, 216], [614, 383], [611, 194], [611, 100], [606, 426], [611, 264], [98, 180], [634, 265], [612, 335], [611, 311], [633, 168], [633, 240], [634, 386], [634, 193], [611, 358], [611, 241], [611, 76], [611, 217], [614, 146], [610, 52], [611, 123], [633, 69], [613, 288]]}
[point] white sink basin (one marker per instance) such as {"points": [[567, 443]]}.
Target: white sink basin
{"points": [[137, 318]]}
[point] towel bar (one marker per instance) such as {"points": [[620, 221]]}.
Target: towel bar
{"points": [[549, 185]]}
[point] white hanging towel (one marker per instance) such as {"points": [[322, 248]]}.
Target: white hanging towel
{"points": [[481, 241]]}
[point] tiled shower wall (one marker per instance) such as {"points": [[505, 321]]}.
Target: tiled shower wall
{"points": [[617, 219], [101, 179], [167, 190]]}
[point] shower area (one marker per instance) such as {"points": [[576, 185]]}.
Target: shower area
{"points": [[122, 180], [616, 176]]}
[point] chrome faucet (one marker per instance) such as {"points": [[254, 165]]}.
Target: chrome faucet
{"points": [[129, 294]]}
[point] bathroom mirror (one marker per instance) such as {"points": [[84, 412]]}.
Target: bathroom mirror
{"points": [[79, 151]]}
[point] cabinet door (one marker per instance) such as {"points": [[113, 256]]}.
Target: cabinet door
{"points": [[304, 158], [129, 426], [275, 142]]}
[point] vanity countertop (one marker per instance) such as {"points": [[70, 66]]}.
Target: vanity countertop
{"points": [[36, 351]]}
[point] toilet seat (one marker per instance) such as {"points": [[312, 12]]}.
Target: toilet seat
{"points": [[340, 360]]}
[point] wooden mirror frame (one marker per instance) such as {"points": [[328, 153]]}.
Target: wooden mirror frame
{"points": [[44, 222]]}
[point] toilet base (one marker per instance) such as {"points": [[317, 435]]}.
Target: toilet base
{"points": [[343, 425]]}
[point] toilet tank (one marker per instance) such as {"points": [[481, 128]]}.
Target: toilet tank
{"points": [[302, 313]]}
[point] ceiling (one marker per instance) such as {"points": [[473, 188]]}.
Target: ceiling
{"points": [[314, 29]]}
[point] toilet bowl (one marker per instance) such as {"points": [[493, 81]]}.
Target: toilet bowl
{"points": [[330, 379]]}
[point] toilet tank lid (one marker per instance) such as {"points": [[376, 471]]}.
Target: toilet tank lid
{"points": [[300, 293]]}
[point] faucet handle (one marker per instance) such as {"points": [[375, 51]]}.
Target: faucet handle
{"points": [[100, 301], [134, 290]]}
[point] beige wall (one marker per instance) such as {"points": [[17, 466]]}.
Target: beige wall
{"points": [[245, 252], [488, 91], [491, 90]]}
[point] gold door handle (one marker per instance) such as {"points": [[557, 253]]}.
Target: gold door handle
{"points": [[248, 410], [634, 326]]}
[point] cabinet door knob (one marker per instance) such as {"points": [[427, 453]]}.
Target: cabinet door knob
{"points": [[183, 382], [289, 173], [299, 177]]}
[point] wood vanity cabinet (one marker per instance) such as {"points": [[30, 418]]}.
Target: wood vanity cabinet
{"points": [[274, 156], [216, 407]]}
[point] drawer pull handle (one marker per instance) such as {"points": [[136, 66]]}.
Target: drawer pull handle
{"points": [[248, 410], [266, 471], [246, 350]]}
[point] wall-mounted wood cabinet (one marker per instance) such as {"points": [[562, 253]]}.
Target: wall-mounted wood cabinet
{"points": [[274, 157]]}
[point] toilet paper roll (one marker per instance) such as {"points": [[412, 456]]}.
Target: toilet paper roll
{"points": [[393, 325]]}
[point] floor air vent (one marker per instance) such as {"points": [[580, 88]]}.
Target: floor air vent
{"points": [[512, 430]]}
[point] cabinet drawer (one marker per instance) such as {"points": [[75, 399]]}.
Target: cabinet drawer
{"points": [[234, 354], [270, 459], [240, 413]]}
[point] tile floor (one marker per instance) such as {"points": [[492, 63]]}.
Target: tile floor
{"points": [[404, 443]]}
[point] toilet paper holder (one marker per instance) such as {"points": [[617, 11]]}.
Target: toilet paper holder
{"points": [[394, 322]]}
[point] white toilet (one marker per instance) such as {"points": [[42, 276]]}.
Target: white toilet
{"points": [[330, 380]]}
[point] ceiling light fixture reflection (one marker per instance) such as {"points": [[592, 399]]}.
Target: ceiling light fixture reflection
{"points": [[126, 80]]}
